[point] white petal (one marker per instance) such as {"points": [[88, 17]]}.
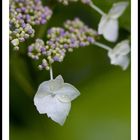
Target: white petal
{"points": [[122, 48], [56, 110], [40, 103], [124, 63], [110, 30], [118, 9], [102, 24], [48, 87], [56, 83], [43, 89], [59, 78], [67, 93]]}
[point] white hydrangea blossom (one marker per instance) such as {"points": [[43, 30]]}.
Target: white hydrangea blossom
{"points": [[54, 99], [119, 54], [108, 25]]}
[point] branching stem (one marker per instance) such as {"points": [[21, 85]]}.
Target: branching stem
{"points": [[103, 46]]}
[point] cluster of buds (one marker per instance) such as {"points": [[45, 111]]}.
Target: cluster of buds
{"points": [[23, 15], [81, 34], [35, 50], [60, 40], [66, 2]]}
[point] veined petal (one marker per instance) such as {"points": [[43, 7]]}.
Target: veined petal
{"points": [[43, 89], [122, 48], [67, 93], [48, 87], [110, 30], [56, 110], [118, 9], [56, 83]]}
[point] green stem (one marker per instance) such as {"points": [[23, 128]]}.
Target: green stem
{"points": [[103, 46], [92, 5], [51, 73]]}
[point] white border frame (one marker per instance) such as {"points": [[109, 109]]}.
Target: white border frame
{"points": [[5, 70], [134, 70]]}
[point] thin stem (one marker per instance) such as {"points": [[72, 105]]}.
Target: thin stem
{"points": [[97, 9], [51, 73], [102, 46]]}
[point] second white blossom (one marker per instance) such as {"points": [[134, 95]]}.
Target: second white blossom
{"points": [[108, 26], [119, 54]]}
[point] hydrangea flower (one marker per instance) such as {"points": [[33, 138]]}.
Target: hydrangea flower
{"points": [[119, 54], [54, 99], [108, 26]]}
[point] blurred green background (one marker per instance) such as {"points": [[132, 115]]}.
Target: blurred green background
{"points": [[102, 112]]}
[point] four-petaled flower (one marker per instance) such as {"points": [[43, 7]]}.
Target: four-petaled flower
{"points": [[119, 54], [54, 99], [108, 26]]}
